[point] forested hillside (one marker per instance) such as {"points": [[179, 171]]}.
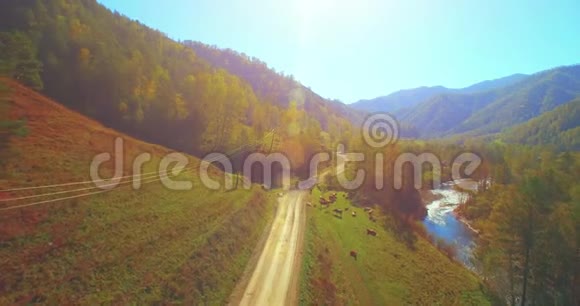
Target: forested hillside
{"points": [[491, 111], [559, 128], [275, 87], [528, 222], [137, 80]]}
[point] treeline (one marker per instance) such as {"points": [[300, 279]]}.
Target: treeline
{"points": [[527, 211], [135, 79], [9, 127], [559, 128], [278, 88], [528, 216]]}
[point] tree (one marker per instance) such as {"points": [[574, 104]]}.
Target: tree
{"points": [[18, 59]]}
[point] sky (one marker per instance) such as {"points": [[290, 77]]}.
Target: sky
{"points": [[359, 49]]}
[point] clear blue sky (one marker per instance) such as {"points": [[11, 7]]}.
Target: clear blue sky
{"points": [[353, 49]]}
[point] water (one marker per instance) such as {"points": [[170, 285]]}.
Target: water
{"points": [[442, 223]]}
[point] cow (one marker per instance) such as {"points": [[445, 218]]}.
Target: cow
{"points": [[371, 232], [338, 211], [353, 254], [308, 204], [333, 197], [353, 213]]}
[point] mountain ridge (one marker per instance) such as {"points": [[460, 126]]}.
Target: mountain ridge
{"points": [[407, 98]]}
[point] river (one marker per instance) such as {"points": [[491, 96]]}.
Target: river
{"points": [[442, 223]]}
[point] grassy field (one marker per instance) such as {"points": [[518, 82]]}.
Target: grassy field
{"points": [[123, 246], [387, 271]]}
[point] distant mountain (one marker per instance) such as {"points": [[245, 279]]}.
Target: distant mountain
{"points": [[408, 98], [490, 111], [398, 100], [559, 127], [494, 84], [444, 112]]}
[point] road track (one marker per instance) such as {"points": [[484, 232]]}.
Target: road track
{"points": [[274, 280]]}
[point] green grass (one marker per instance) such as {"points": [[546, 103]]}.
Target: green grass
{"points": [[125, 246], [387, 272]]}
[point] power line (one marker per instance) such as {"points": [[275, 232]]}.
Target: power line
{"points": [[71, 191], [104, 180], [67, 198], [103, 191]]}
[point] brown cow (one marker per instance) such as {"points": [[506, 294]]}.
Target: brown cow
{"points": [[333, 197], [354, 254], [371, 232]]}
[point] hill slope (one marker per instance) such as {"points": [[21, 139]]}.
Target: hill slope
{"points": [[124, 246], [275, 87], [490, 111], [386, 271], [559, 127], [140, 82]]}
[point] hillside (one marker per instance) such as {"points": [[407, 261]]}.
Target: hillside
{"points": [[403, 100], [386, 271], [275, 87], [138, 81], [123, 246], [490, 111], [559, 127]]}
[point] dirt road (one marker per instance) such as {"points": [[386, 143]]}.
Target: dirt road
{"points": [[275, 277]]}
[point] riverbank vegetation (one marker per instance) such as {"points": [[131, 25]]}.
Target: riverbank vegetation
{"points": [[529, 221], [525, 206]]}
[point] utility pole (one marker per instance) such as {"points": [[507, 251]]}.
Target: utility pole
{"points": [[271, 144]]}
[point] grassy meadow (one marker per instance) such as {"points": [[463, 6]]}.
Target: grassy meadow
{"points": [[386, 272]]}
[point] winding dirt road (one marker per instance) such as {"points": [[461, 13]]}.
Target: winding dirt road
{"points": [[275, 278]]}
